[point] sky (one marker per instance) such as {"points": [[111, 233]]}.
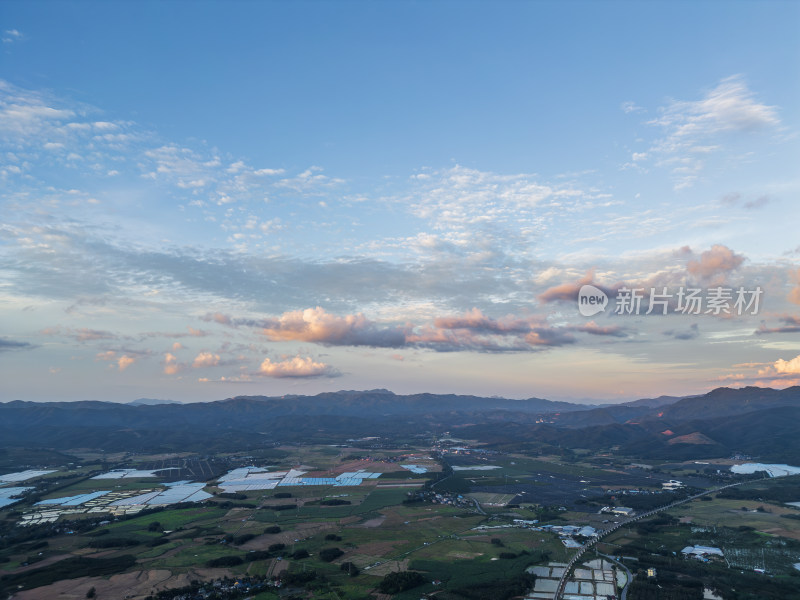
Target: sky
{"points": [[201, 200]]}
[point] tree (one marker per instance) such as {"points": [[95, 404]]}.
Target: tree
{"points": [[330, 554], [395, 583]]}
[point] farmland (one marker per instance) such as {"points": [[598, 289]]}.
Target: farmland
{"points": [[340, 521]]}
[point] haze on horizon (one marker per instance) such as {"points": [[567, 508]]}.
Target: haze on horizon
{"points": [[290, 198]]}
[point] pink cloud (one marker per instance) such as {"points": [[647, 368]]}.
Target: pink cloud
{"points": [[594, 329], [125, 361], [82, 334], [567, 292], [298, 366], [171, 366], [205, 359], [715, 264], [791, 324], [788, 367], [794, 294], [475, 320], [477, 332], [316, 325]]}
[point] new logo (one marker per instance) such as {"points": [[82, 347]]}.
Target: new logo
{"points": [[591, 300]]}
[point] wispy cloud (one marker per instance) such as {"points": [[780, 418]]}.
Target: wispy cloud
{"points": [[12, 35], [694, 129], [791, 324], [7, 345]]}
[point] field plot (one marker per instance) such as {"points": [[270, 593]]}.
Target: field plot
{"points": [[772, 560], [544, 482], [175, 493], [730, 513], [246, 479], [7, 495], [491, 499], [22, 476], [128, 474], [74, 500], [176, 468]]}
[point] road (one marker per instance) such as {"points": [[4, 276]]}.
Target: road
{"points": [[624, 594]]}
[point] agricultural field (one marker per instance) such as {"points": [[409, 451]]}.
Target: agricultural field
{"points": [[301, 534], [352, 540]]}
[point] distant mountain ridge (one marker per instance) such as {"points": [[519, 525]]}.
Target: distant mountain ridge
{"points": [[750, 420], [150, 402]]}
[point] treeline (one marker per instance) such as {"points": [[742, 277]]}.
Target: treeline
{"points": [[782, 492], [274, 550], [498, 589]]}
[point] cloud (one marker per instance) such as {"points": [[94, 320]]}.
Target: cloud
{"points": [[734, 198], [791, 324], [787, 367], [631, 107], [82, 334], [686, 334], [12, 35], [794, 294], [469, 331], [171, 365], [310, 182], [730, 106], [473, 331], [476, 321], [715, 264], [205, 359], [505, 206], [693, 129], [297, 366], [7, 345], [316, 325], [568, 292], [25, 115], [759, 202], [594, 329], [125, 361]]}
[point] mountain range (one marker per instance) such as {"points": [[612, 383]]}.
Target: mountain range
{"points": [[757, 421]]}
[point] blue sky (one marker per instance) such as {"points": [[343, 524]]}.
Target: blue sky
{"points": [[211, 199]]}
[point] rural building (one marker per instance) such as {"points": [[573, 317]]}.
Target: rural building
{"points": [[701, 551], [672, 484], [622, 510]]}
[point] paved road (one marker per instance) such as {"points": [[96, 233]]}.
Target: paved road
{"points": [[478, 507], [624, 594]]}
